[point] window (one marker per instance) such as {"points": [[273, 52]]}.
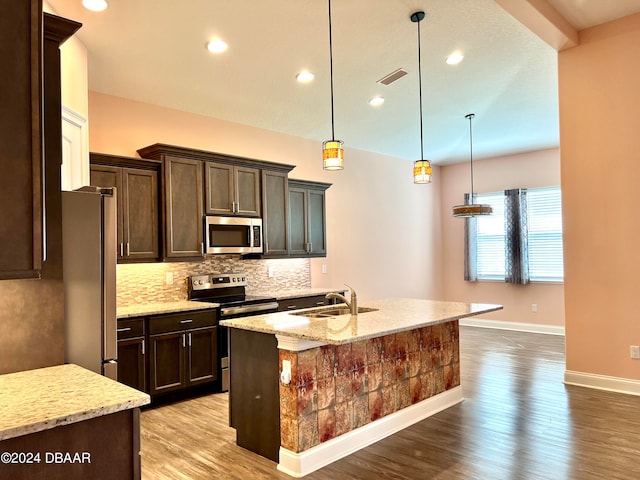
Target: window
{"points": [[544, 236]]}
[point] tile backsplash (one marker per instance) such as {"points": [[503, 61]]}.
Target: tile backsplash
{"points": [[151, 282]]}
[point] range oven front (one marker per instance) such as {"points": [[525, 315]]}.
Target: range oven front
{"points": [[228, 290]]}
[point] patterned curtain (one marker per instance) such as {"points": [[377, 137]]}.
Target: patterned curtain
{"points": [[516, 247], [470, 245]]}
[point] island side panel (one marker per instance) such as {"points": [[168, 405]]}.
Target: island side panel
{"points": [[337, 388], [106, 447], [253, 394]]}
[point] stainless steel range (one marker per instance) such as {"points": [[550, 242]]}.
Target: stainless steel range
{"points": [[228, 290]]}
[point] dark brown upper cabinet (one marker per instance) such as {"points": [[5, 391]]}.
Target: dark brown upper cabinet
{"points": [[235, 177], [231, 190], [136, 182], [21, 158], [307, 218]]}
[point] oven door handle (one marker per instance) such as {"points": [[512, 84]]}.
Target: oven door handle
{"points": [[259, 307]]}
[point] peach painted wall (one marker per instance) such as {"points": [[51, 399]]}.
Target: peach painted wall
{"points": [[528, 170], [383, 231], [599, 103], [73, 72]]}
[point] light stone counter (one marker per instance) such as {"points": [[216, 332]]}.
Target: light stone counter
{"points": [[304, 292], [166, 307], [37, 400], [393, 315]]}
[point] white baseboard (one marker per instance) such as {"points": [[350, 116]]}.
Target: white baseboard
{"points": [[516, 326], [602, 382], [301, 464]]}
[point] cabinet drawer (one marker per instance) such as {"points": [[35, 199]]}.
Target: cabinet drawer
{"points": [[182, 321], [303, 302], [130, 328]]}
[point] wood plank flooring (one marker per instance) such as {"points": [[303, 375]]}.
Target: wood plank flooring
{"points": [[518, 421]]}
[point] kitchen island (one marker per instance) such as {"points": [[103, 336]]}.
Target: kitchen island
{"points": [[310, 387], [66, 422]]}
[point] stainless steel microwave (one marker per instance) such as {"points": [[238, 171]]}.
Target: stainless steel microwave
{"points": [[232, 235]]}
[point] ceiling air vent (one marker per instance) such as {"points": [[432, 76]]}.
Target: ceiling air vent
{"points": [[392, 77]]}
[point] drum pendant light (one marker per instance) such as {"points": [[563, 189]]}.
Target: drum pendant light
{"points": [[332, 151], [421, 168], [473, 209]]}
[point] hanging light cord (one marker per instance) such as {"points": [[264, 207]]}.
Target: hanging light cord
{"points": [[470, 116], [333, 136], [420, 93]]}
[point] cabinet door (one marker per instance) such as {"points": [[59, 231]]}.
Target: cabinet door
{"points": [[202, 363], [108, 176], [220, 189], [298, 241], [274, 212], [316, 222], [131, 363], [166, 362], [140, 214], [247, 186], [21, 160], [183, 207]]}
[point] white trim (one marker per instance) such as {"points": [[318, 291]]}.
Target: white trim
{"points": [[516, 326], [296, 344], [75, 149], [602, 382], [300, 464]]}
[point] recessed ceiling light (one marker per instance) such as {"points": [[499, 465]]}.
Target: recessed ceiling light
{"points": [[217, 46], [305, 76], [376, 101], [454, 59], [95, 5]]}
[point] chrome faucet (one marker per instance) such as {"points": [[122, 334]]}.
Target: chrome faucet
{"points": [[353, 304]]}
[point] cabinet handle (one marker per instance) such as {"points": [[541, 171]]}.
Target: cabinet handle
{"points": [[128, 252], [292, 307], [319, 303], [188, 320], [189, 339], [183, 341], [310, 247], [124, 329], [202, 248], [121, 249], [143, 352]]}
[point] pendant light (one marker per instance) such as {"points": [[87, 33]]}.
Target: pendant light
{"points": [[473, 209], [421, 168], [332, 151]]}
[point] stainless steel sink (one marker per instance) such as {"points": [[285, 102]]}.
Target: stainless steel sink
{"points": [[330, 312]]}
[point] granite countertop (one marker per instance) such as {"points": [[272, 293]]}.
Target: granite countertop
{"points": [[36, 400], [393, 315], [160, 308], [302, 292]]}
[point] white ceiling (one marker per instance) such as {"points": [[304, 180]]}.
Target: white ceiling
{"points": [[154, 51]]}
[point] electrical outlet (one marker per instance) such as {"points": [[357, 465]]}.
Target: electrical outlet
{"points": [[324, 268], [270, 271], [534, 307], [168, 278], [635, 351]]}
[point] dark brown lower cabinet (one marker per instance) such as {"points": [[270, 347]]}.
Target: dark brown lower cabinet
{"points": [[254, 395], [305, 302], [131, 363], [182, 359]]}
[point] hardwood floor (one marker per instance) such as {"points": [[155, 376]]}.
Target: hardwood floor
{"points": [[518, 421]]}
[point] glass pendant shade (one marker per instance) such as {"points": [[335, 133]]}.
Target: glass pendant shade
{"points": [[332, 155], [473, 210], [422, 171]]}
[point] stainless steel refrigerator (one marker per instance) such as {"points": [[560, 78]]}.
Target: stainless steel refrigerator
{"points": [[89, 272]]}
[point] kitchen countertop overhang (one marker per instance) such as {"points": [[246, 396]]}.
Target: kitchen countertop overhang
{"points": [[37, 400], [393, 315]]}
